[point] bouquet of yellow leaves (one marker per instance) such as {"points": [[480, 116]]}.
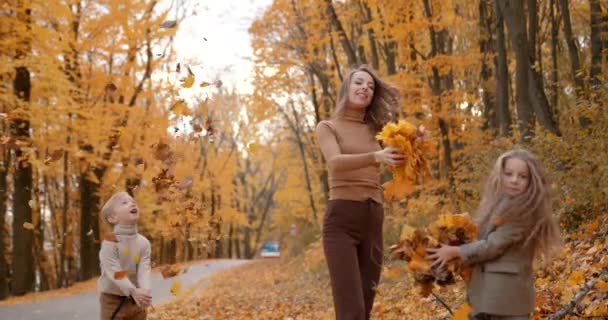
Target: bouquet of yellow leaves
{"points": [[413, 143], [448, 229]]}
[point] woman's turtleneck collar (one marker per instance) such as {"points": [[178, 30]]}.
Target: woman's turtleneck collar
{"points": [[125, 229], [356, 115]]}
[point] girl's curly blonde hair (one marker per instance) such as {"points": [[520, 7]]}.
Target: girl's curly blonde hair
{"points": [[532, 206]]}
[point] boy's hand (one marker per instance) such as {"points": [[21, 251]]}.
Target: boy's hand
{"points": [[142, 296]]}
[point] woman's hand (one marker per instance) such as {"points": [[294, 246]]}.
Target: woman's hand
{"points": [[390, 156], [442, 255]]}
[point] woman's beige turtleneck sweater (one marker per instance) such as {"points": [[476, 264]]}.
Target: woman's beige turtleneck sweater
{"points": [[348, 145]]}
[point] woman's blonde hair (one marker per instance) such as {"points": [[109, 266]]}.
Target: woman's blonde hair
{"points": [[533, 205], [385, 101]]}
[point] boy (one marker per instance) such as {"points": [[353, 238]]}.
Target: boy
{"points": [[124, 284]]}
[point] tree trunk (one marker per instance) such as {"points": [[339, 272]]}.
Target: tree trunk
{"points": [[247, 243], [503, 115], [23, 278], [554, 66], [230, 239], [23, 240], [89, 223], [237, 244], [439, 85], [297, 133], [575, 66], [64, 219], [487, 51], [348, 49], [4, 267], [596, 46], [371, 37], [513, 13], [538, 98]]}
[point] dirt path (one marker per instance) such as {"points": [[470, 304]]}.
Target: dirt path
{"points": [[85, 306]]}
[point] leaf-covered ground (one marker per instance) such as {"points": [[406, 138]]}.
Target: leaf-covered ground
{"points": [[299, 288]]}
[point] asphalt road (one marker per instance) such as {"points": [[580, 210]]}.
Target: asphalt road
{"points": [[85, 306]]}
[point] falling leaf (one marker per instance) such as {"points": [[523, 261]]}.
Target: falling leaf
{"points": [[497, 220], [90, 232], [31, 203], [197, 128], [171, 271], [135, 259], [6, 140], [28, 226], [184, 184], [205, 84], [180, 108], [140, 168], [397, 190], [110, 237], [392, 273], [188, 82], [252, 148], [462, 313], [162, 151], [576, 278], [176, 287], [204, 38], [218, 84], [120, 274], [54, 156], [178, 68], [126, 253], [168, 24], [91, 176]]}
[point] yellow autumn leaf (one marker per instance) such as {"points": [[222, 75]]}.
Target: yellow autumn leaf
{"points": [[393, 273], [462, 313], [120, 274], [205, 84], [176, 287], [253, 148], [601, 286], [126, 253], [189, 81], [92, 177], [419, 264], [135, 259], [168, 24], [180, 108], [577, 277], [54, 156]]}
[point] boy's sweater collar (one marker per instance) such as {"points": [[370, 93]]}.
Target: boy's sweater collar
{"points": [[125, 229]]}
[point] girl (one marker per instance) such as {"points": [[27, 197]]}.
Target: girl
{"points": [[515, 225], [352, 227]]}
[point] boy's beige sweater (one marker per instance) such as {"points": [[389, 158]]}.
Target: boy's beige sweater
{"points": [[125, 263]]}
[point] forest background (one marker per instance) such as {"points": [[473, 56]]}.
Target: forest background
{"points": [[94, 100]]}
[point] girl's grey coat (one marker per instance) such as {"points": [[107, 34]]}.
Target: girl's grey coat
{"points": [[502, 282]]}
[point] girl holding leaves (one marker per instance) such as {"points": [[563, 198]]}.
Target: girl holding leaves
{"points": [[352, 226], [516, 225]]}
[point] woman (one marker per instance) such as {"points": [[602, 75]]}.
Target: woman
{"points": [[352, 227]]}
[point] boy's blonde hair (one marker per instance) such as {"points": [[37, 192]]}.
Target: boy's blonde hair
{"points": [[108, 207]]}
